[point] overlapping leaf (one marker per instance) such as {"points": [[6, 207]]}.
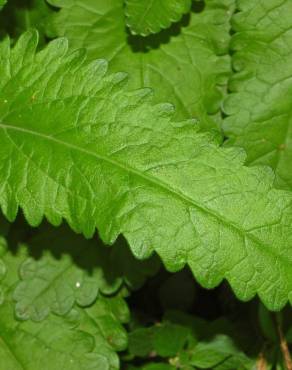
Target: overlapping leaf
{"points": [[82, 339], [54, 283], [76, 144], [19, 16], [259, 107], [185, 65], [57, 342], [196, 344], [71, 269], [145, 17]]}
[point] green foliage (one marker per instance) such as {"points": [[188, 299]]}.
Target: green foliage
{"points": [[185, 342], [120, 209], [20, 15], [259, 107], [54, 284], [89, 126], [145, 17], [73, 339], [186, 66]]}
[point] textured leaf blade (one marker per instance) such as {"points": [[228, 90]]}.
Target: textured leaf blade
{"points": [[186, 66], [259, 107], [66, 269], [145, 17], [83, 339], [50, 343], [106, 158]]}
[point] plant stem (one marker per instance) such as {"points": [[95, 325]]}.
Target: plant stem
{"points": [[284, 347], [262, 362]]}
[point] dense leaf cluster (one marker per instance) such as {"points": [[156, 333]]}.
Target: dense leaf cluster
{"points": [[146, 155]]}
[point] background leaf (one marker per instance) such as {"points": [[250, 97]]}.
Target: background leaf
{"points": [[259, 107], [82, 339], [20, 15], [186, 65], [146, 17]]}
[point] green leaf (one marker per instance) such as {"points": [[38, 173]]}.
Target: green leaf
{"points": [[21, 15], [83, 339], [169, 339], [145, 17], [220, 353], [77, 145], [55, 284], [156, 340], [186, 341], [52, 343], [141, 342], [66, 268], [186, 65], [103, 320], [259, 107]]}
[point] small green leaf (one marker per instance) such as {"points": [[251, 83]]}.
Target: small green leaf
{"points": [[217, 353], [145, 17], [155, 340], [169, 339], [141, 342]]}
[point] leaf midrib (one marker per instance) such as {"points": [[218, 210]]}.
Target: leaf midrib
{"points": [[153, 181]]}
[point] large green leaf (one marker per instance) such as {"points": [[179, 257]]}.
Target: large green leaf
{"points": [[259, 108], [145, 17], [76, 144], [185, 65]]}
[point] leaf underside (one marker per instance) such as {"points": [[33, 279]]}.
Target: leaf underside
{"points": [[145, 17], [77, 145], [259, 106], [186, 65]]}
